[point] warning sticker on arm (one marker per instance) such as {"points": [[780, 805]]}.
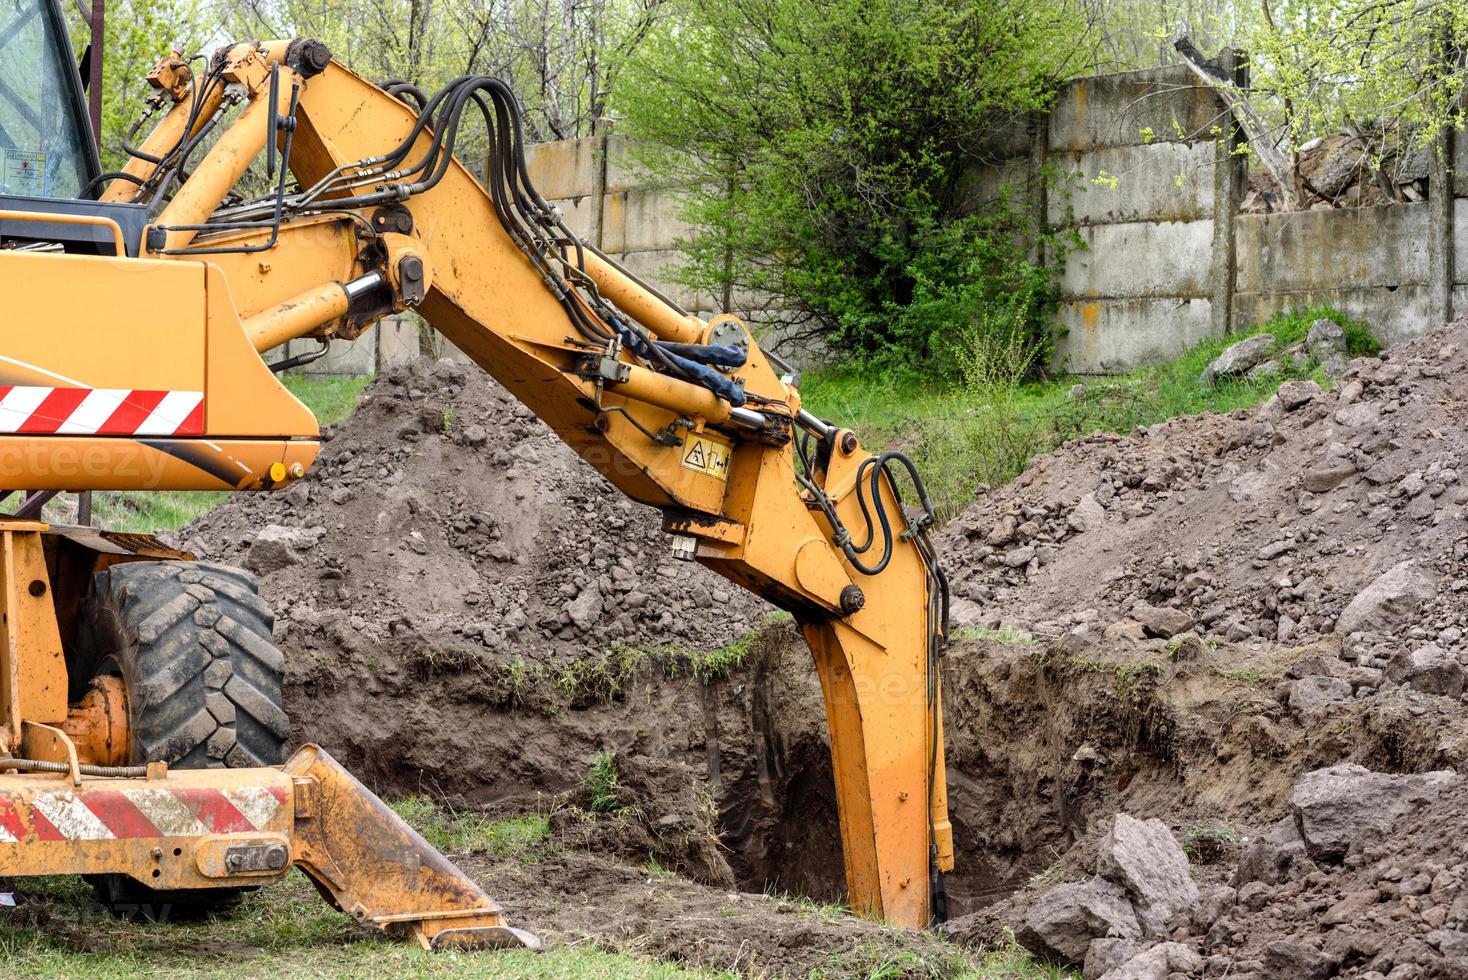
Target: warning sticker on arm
{"points": [[706, 455]]}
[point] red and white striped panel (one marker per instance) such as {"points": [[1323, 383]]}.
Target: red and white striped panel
{"points": [[130, 813], [100, 412]]}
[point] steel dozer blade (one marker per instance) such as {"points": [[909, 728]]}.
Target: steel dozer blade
{"points": [[191, 829], [370, 864]]}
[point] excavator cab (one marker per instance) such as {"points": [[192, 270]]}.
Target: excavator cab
{"points": [[48, 154], [46, 145]]}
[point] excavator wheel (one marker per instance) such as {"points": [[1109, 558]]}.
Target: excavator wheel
{"points": [[192, 643]]}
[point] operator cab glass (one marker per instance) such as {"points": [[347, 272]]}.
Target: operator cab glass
{"points": [[45, 138]]}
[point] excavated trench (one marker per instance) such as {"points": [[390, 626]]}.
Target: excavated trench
{"points": [[728, 782]]}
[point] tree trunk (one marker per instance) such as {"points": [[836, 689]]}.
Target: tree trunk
{"points": [[1255, 131]]}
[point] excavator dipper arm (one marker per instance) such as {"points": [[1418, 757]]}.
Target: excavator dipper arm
{"points": [[690, 417]]}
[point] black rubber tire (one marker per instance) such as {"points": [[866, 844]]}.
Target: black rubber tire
{"points": [[192, 642]]}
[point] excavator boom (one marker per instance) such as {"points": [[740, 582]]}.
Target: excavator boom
{"points": [[370, 212]]}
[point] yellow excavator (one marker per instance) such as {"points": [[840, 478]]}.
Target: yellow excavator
{"points": [[142, 731]]}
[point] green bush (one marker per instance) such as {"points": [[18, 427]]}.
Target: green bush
{"points": [[830, 149]]}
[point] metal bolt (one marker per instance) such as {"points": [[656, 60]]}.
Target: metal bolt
{"points": [[852, 599], [276, 857]]}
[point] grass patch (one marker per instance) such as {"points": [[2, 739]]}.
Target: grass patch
{"points": [[962, 438], [1130, 678], [1007, 635], [140, 511], [285, 930], [465, 831], [602, 783], [1011, 961], [1242, 676], [1207, 843], [605, 678]]}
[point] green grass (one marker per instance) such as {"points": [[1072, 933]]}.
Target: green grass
{"points": [[523, 837], [602, 783], [1008, 635], [285, 930], [961, 439], [329, 399]]}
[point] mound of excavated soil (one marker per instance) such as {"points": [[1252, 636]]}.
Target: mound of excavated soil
{"points": [[459, 619], [444, 518], [1256, 524]]}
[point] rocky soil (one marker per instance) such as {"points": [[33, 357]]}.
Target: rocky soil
{"points": [[1323, 512], [444, 517], [1221, 738]]}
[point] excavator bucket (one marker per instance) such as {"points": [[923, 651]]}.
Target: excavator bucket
{"points": [[227, 828], [373, 866]]}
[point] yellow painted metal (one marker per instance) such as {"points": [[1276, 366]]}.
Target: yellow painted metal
{"points": [[105, 462], [71, 219], [98, 724], [297, 316], [168, 858], [640, 304], [226, 161], [165, 136], [33, 678], [310, 252], [688, 400], [751, 524], [48, 744], [224, 828], [377, 868]]}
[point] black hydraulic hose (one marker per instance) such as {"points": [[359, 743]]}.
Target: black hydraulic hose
{"points": [[95, 184], [40, 765]]}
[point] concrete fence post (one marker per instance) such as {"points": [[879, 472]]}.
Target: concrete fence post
{"points": [[1440, 218], [1037, 183], [1230, 181], [600, 148]]}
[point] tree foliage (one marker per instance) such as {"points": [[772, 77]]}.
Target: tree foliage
{"points": [[1389, 73], [833, 145], [561, 56]]}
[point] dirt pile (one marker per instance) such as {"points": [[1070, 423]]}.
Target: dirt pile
{"points": [[1320, 512], [1215, 608], [444, 518]]}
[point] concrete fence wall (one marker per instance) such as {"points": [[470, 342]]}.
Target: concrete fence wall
{"points": [[1140, 166]]}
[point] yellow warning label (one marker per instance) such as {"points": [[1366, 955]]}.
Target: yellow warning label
{"points": [[706, 455]]}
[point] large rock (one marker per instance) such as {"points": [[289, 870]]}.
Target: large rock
{"points": [[1311, 696], [1105, 955], [586, 608], [1158, 963], [1144, 858], [1063, 922], [1389, 601], [276, 547], [1338, 807], [1163, 621], [1433, 670], [1239, 358], [1275, 858], [1285, 958], [1326, 342]]}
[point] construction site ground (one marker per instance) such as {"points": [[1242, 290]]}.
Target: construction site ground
{"points": [[1188, 622]]}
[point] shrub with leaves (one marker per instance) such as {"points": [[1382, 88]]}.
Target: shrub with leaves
{"points": [[831, 148]]}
